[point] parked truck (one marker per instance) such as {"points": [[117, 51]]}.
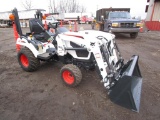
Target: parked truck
{"points": [[117, 20], [50, 19]]}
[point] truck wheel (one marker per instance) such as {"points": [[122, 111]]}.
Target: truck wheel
{"points": [[27, 60], [71, 75], [133, 35]]}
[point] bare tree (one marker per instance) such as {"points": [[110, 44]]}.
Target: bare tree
{"points": [[63, 6], [70, 6], [52, 6], [73, 6], [82, 8], [27, 4]]}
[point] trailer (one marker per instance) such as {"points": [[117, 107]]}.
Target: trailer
{"points": [[83, 17]]}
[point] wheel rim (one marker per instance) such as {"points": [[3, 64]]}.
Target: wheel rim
{"points": [[24, 60], [68, 77]]}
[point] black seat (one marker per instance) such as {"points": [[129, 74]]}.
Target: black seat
{"points": [[36, 30]]}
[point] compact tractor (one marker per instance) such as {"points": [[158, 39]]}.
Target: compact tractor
{"points": [[86, 49]]}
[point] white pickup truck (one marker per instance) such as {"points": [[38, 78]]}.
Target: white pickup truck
{"points": [[50, 19], [3, 25]]}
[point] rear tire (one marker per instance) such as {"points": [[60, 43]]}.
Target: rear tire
{"points": [[71, 75], [133, 35], [27, 60]]}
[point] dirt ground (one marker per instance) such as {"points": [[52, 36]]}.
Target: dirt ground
{"points": [[41, 95]]}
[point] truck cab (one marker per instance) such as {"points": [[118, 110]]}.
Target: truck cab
{"points": [[118, 21]]}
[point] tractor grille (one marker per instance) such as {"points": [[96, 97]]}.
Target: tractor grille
{"points": [[127, 25]]}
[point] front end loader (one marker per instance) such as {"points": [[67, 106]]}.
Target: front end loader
{"points": [[86, 49], [95, 49]]}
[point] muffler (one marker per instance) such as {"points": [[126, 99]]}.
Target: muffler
{"points": [[127, 90]]}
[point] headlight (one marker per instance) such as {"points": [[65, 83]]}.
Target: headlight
{"points": [[115, 24], [138, 25]]}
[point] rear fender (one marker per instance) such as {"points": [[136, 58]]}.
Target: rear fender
{"points": [[23, 42]]}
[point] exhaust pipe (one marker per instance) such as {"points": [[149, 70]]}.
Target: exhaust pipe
{"points": [[127, 90]]}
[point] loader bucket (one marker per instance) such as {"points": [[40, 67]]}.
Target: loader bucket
{"points": [[127, 91]]}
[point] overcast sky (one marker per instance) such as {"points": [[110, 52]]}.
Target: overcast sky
{"points": [[137, 6]]}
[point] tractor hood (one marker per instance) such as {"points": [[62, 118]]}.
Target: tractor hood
{"points": [[89, 35], [86, 37]]}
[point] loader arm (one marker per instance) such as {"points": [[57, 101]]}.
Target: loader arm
{"points": [[105, 55], [124, 81]]}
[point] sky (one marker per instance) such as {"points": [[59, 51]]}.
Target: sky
{"points": [[137, 6]]}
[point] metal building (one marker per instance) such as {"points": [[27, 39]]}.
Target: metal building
{"points": [[153, 15], [24, 17]]}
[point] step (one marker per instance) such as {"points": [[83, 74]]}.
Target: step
{"points": [[44, 56]]}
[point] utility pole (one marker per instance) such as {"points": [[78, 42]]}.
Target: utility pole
{"points": [[49, 9]]}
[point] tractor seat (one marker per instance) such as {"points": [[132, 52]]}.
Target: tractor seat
{"points": [[36, 30]]}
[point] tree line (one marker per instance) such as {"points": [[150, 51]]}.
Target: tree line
{"points": [[63, 6]]}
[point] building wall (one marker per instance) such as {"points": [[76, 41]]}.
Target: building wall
{"points": [[153, 16], [150, 8], [153, 25], [4, 15], [24, 16], [156, 14], [24, 23]]}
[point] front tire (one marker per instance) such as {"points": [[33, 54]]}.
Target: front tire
{"points": [[71, 75], [27, 60]]}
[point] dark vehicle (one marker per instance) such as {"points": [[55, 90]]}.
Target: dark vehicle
{"points": [[117, 20]]}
